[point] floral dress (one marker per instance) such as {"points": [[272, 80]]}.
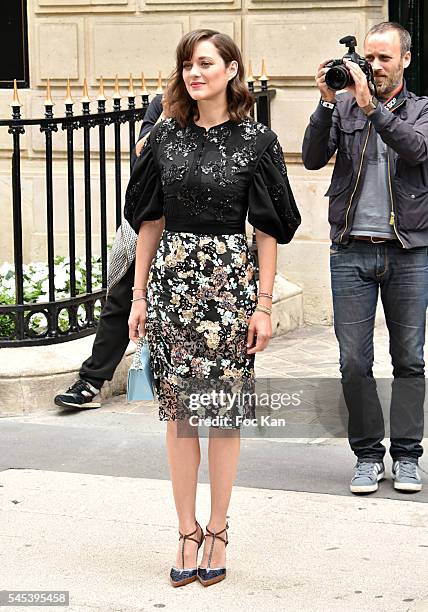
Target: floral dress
{"points": [[202, 289]]}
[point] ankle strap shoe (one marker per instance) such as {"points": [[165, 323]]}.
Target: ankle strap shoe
{"points": [[210, 575], [182, 576]]}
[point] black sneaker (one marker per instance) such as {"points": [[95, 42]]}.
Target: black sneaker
{"points": [[79, 395]]}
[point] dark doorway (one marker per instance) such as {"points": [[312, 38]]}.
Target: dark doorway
{"points": [[413, 15], [14, 44]]}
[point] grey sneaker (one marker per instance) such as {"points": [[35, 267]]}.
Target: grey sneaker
{"points": [[366, 477], [406, 475]]}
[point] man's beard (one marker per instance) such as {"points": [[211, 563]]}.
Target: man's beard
{"points": [[386, 85]]}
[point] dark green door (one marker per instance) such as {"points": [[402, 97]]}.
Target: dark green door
{"points": [[413, 15]]}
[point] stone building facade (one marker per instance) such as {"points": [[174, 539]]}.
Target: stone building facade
{"points": [[80, 39]]}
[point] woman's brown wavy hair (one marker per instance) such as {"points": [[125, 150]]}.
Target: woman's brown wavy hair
{"points": [[181, 105]]}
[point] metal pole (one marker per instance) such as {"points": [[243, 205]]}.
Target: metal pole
{"points": [[88, 213], [72, 311], [103, 188], [48, 127], [117, 168], [16, 131]]}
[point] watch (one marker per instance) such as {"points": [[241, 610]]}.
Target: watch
{"points": [[371, 106]]}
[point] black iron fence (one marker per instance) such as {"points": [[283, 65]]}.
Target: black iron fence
{"points": [[74, 316]]}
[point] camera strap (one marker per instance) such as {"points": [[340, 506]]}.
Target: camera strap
{"points": [[394, 101]]}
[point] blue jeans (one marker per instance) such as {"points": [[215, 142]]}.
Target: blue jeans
{"points": [[358, 270]]}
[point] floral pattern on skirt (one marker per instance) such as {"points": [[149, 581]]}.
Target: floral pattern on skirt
{"points": [[201, 294]]}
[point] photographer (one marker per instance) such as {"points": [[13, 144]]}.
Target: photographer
{"points": [[378, 212]]}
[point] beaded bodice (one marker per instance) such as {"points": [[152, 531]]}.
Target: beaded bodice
{"points": [[206, 175]]}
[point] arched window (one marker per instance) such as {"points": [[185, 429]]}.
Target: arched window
{"points": [[14, 44]]}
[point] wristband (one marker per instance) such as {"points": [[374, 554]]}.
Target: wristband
{"points": [[329, 105]]}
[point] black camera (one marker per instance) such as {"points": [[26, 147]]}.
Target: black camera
{"points": [[339, 77]]}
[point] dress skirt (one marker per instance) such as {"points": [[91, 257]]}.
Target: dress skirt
{"points": [[201, 295]]}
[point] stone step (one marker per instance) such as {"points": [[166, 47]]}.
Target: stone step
{"points": [[287, 309], [30, 377]]}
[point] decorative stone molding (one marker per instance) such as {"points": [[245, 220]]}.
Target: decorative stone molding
{"points": [[286, 58], [150, 45], [59, 49], [223, 22], [72, 5], [189, 5], [317, 5]]}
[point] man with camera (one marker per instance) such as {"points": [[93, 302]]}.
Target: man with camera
{"points": [[378, 212]]}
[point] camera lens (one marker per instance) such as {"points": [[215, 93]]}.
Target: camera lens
{"points": [[337, 78]]}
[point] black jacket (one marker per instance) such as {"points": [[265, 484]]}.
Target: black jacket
{"points": [[346, 130]]}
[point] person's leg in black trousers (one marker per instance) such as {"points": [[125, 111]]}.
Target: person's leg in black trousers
{"points": [[108, 349], [111, 338]]}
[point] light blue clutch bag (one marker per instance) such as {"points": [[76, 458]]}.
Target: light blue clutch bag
{"points": [[140, 378]]}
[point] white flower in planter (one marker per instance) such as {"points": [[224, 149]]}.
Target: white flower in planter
{"points": [[62, 276], [5, 269], [9, 283], [36, 289]]}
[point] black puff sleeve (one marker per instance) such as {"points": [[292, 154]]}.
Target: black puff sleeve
{"points": [[272, 208], [144, 195]]}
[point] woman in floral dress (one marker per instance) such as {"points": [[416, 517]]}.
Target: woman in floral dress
{"points": [[202, 172]]}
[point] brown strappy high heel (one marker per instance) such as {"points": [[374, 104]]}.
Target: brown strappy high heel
{"points": [[181, 577], [209, 575]]}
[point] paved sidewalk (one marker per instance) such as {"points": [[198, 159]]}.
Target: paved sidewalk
{"points": [[110, 541], [312, 351]]}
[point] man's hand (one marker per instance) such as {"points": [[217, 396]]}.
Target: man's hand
{"points": [[360, 90], [165, 107], [139, 146], [326, 93]]}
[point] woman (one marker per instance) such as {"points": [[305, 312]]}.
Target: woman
{"points": [[201, 171]]}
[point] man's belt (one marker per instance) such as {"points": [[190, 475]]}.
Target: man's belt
{"points": [[373, 239]]}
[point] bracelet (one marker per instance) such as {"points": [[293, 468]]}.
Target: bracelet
{"points": [[267, 295], [264, 309], [138, 299], [326, 104], [138, 289]]}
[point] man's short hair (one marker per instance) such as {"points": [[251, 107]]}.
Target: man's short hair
{"points": [[386, 26]]}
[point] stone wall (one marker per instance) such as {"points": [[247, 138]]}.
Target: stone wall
{"points": [[90, 38]]}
